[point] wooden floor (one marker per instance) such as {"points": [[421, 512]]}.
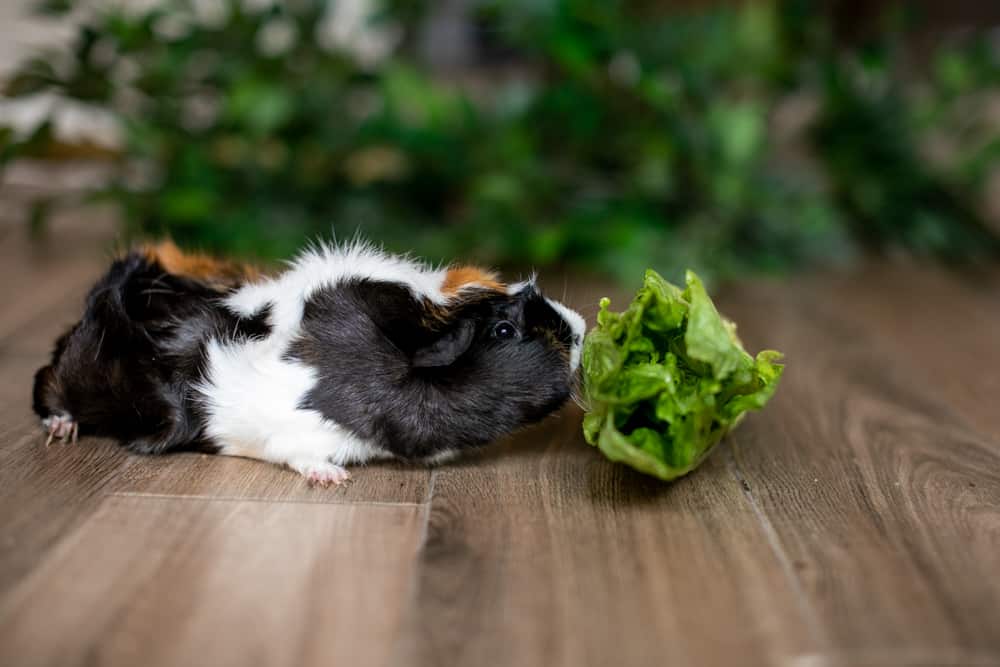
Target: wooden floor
{"points": [[854, 522]]}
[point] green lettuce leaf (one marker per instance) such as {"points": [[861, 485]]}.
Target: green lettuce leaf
{"points": [[666, 379]]}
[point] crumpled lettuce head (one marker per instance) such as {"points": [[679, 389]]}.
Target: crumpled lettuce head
{"points": [[668, 378]]}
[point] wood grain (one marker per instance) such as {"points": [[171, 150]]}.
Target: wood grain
{"points": [[204, 476], [167, 581], [941, 325], [886, 502], [42, 283], [542, 552], [44, 491]]}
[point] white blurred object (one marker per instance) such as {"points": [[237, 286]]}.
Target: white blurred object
{"points": [[276, 37], [345, 27], [624, 69], [72, 122], [211, 13]]}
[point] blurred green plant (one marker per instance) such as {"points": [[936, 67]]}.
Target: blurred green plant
{"points": [[632, 137], [908, 159]]}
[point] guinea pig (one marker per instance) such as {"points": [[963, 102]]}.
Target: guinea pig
{"points": [[349, 355]]}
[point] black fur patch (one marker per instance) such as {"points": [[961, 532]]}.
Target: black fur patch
{"points": [[127, 369], [362, 338]]}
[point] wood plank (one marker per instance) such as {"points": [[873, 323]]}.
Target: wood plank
{"points": [[887, 503], [44, 491], [44, 281], [158, 581], [204, 476], [540, 551], [17, 374], [942, 325], [32, 332]]}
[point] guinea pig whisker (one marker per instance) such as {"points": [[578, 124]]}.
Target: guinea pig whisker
{"points": [[578, 396], [159, 280], [100, 342]]}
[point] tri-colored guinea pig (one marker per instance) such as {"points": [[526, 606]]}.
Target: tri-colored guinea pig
{"points": [[349, 355]]}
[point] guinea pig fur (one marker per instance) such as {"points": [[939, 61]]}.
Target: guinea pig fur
{"points": [[349, 355]]}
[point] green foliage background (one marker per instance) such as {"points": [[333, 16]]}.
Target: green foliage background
{"points": [[629, 137]]}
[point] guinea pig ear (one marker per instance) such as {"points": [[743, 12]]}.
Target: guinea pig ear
{"points": [[449, 347]]}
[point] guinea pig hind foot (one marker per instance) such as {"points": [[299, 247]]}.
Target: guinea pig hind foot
{"points": [[320, 472], [61, 426]]}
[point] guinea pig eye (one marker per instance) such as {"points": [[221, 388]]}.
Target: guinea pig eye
{"points": [[504, 330]]}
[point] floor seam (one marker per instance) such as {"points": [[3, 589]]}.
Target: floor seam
{"points": [[784, 562], [410, 600]]}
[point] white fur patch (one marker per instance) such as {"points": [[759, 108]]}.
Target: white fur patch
{"points": [[327, 265], [517, 288], [578, 326], [252, 393]]}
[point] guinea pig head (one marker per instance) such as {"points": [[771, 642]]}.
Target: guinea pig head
{"points": [[512, 347]]}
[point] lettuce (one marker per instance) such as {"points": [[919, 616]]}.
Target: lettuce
{"points": [[668, 378]]}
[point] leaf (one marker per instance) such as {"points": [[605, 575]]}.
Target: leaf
{"points": [[667, 378], [707, 337], [188, 204]]}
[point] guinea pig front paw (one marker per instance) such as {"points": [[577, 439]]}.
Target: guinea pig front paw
{"points": [[61, 425], [321, 473]]}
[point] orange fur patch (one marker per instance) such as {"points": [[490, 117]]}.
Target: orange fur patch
{"points": [[460, 277], [198, 266]]}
